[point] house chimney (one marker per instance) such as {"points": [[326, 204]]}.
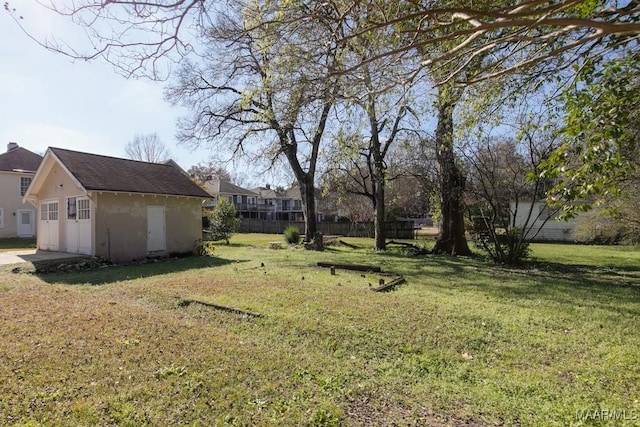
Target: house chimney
{"points": [[12, 146], [268, 186]]}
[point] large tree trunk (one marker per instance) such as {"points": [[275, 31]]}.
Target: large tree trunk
{"points": [[307, 193], [451, 239], [378, 184], [378, 222], [378, 171], [305, 182]]}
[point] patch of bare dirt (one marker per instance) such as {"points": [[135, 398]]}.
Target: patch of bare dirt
{"points": [[362, 412]]}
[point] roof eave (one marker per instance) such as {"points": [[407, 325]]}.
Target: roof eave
{"points": [[131, 193], [50, 158]]}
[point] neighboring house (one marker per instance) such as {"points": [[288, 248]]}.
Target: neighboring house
{"points": [[280, 205], [114, 208], [291, 205], [245, 201], [540, 221], [264, 203], [17, 168], [268, 198], [328, 207]]}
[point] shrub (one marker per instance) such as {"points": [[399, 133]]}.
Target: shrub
{"points": [[292, 235], [203, 248], [598, 226], [508, 248], [223, 221]]}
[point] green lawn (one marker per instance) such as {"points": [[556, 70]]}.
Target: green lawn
{"points": [[14, 244], [463, 342]]}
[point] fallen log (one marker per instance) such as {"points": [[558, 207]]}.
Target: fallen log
{"points": [[235, 310], [409, 245], [356, 267], [417, 250], [349, 245], [389, 286]]}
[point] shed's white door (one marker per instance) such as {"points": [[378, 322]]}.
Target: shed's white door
{"points": [[48, 229], [26, 224], [79, 225], [156, 236]]}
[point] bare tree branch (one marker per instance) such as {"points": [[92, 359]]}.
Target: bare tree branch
{"points": [[147, 148]]}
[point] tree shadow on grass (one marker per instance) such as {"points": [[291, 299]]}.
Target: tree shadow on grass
{"points": [[223, 244], [106, 274], [14, 243], [613, 288]]}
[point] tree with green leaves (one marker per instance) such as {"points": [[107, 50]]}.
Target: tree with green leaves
{"points": [[223, 220], [601, 139], [616, 219], [278, 69]]}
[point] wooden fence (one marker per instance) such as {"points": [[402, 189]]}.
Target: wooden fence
{"points": [[394, 230]]}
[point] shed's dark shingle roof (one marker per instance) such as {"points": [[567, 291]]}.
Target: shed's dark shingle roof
{"points": [[102, 173], [19, 159]]}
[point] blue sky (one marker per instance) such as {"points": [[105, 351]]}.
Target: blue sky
{"points": [[48, 100]]}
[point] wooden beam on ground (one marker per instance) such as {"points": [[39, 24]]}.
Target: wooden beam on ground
{"points": [[417, 250], [221, 307], [389, 286], [356, 267], [349, 245], [408, 245]]}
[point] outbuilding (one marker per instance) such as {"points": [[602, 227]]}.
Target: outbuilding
{"points": [[115, 208]]}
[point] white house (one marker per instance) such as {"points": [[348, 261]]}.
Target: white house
{"points": [[17, 168], [539, 219]]}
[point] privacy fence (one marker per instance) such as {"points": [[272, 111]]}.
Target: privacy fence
{"points": [[394, 230]]}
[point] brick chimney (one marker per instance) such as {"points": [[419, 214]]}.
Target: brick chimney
{"points": [[12, 146]]}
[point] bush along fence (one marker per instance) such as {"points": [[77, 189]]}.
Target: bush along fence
{"points": [[394, 230]]}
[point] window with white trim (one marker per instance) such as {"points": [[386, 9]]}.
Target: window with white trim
{"points": [[53, 211], [84, 209], [25, 182], [44, 211]]}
